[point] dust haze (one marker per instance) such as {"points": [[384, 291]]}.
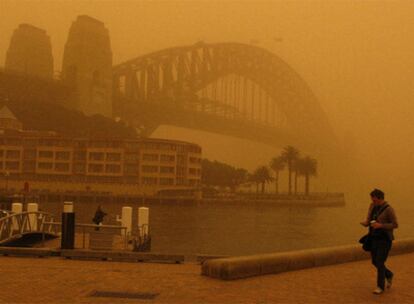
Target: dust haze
{"points": [[357, 56]]}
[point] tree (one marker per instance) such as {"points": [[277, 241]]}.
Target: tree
{"points": [[290, 155], [261, 176], [295, 169], [49, 116], [215, 173], [307, 167], [254, 178], [240, 176], [277, 164]]}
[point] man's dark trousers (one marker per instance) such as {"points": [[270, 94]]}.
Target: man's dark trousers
{"points": [[379, 254]]}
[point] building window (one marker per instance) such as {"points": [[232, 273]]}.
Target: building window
{"points": [[149, 180], [181, 149], [95, 168], [150, 169], [131, 169], [152, 146], [193, 182], [113, 156], [167, 158], [46, 154], [29, 154], [167, 147], [80, 144], [79, 155], [12, 166], [96, 156], [195, 160], [181, 171], [62, 155], [79, 168], [132, 145], [47, 142], [45, 166], [62, 167], [12, 154], [192, 171], [167, 169], [30, 142], [181, 159], [180, 181], [150, 157], [166, 181], [113, 168], [132, 157]]}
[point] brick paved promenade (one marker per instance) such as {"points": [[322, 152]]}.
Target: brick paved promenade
{"points": [[55, 280]]}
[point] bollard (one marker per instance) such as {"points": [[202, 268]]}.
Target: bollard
{"points": [[126, 219], [33, 207], [143, 221], [68, 226], [16, 208]]}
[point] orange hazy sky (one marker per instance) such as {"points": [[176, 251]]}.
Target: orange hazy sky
{"points": [[357, 56]]}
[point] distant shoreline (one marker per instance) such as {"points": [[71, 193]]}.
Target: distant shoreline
{"points": [[305, 202], [312, 200]]}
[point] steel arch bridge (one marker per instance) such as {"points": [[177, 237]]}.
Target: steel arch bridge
{"points": [[228, 88]]}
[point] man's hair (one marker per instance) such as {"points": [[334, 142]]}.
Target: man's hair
{"points": [[377, 193]]}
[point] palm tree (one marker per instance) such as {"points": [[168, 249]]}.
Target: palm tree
{"points": [[277, 164], [239, 176], [290, 155], [307, 167], [262, 176], [253, 178], [295, 169]]}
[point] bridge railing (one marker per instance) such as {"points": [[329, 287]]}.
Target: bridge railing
{"points": [[16, 224]]}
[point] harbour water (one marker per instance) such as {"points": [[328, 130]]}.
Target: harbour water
{"points": [[240, 228]]}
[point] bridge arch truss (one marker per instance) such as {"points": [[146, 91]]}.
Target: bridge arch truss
{"points": [[236, 81]]}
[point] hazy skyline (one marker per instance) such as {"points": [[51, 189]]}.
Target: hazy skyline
{"points": [[355, 55]]}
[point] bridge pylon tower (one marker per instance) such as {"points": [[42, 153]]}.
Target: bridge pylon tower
{"points": [[87, 66], [30, 52]]}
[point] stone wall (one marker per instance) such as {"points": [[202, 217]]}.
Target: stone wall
{"points": [[17, 185], [261, 264]]}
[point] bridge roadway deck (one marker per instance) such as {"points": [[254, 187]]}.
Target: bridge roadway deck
{"points": [[54, 280]]}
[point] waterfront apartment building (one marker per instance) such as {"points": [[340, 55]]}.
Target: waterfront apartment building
{"points": [[47, 161]]}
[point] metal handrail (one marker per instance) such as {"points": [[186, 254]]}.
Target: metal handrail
{"points": [[83, 226], [24, 213], [24, 222]]}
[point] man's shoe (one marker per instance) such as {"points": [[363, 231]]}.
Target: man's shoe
{"points": [[389, 281], [378, 291]]}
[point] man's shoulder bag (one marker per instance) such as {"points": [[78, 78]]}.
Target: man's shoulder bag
{"points": [[366, 240]]}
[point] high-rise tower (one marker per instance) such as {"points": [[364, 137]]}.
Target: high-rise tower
{"points": [[30, 52], [87, 65]]}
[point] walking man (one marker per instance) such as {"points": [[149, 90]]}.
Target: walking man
{"points": [[382, 221]]}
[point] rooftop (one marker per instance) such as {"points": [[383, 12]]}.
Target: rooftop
{"points": [[5, 113]]}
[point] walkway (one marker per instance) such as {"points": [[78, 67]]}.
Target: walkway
{"points": [[54, 280]]}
